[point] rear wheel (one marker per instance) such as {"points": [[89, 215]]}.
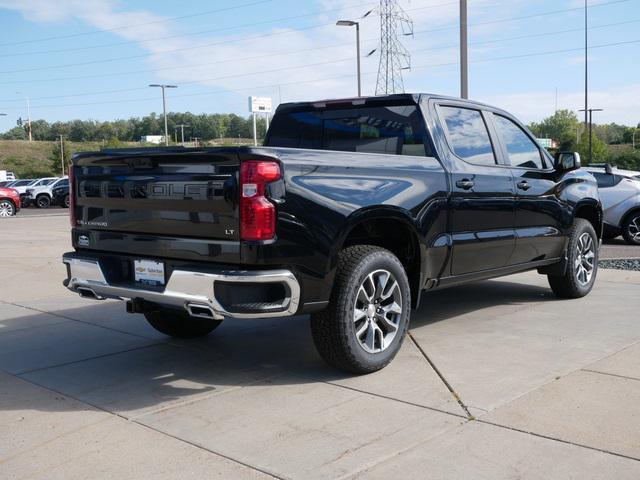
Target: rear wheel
{"points": [[7, 208], [65, 202], [582, 262], [631, 229], [363, 327], [43, 201], [176, 323]]}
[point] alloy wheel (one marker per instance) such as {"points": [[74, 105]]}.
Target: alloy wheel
{"points": [[377, 311], [634, 229], [6, 209], [584, 263]]}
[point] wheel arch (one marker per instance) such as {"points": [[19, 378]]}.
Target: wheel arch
{"points": [[389, 228], [591, 210]]}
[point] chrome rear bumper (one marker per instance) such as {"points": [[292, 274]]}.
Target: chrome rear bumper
{"points": [[191, 290]]}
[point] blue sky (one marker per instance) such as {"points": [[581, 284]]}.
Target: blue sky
{"points": [[93, 59]]}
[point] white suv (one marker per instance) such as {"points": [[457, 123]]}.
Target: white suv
{"points": [[41, 195]]}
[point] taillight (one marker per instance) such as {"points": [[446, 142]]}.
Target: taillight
{"points": [[257, 213], [72, 197]]}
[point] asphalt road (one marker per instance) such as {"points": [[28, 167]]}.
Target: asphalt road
{"points": [[498, 379]]}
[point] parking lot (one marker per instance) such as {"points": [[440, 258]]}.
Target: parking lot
{"points": [[498, 379]]}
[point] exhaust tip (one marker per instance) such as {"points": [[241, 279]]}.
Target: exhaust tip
{"points": [[85, 292], [201, 311]]}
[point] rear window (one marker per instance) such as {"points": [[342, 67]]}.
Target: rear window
{"points": [[392, 130]]}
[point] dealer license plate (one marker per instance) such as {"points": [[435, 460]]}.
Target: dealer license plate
{"points": [[149, 272]]}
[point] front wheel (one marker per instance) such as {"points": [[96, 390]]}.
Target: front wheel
{"points": [[7, 209], [363, 327], [582, 262], [43, 201], [180, 324], [631, 229]]}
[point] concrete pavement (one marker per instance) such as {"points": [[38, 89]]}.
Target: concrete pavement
{"points": [[527, 386]]}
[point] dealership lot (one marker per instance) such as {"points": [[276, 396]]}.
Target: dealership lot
{"points": [[498, 380]]}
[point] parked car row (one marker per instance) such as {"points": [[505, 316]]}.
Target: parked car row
{"points": [[40, 191]]}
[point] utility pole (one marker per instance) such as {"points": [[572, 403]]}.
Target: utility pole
{"points": [[586, 63], [633, 139], [194, 140], [62, 154], [28, 114], [394, 57], [351, 23], [464, 60], [164, 109], [589, 112], [181, 127]]}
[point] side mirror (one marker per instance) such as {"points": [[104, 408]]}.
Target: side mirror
{"points": [[567, 161]]}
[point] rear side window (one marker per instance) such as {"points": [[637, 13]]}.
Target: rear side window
{"points": [[606, 179], [468, 135], [395, 130], [521, 150]]}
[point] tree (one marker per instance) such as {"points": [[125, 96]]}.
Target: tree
{"points": [[599, 148], [561, 126], [54, 157]]}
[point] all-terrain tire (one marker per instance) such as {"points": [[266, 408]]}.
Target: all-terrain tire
{"points": [[179, 324], [334, 329], [579, 253]]}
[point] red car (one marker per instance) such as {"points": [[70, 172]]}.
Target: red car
{"points": [[9, 202]]}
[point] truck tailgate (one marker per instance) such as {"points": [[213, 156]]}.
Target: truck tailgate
{"points": [[180, 204]]}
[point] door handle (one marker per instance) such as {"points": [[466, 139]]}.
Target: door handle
{"points": [[523, 185], [465, 184]]}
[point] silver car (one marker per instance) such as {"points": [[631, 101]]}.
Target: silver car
{"points": [[620, 196]]}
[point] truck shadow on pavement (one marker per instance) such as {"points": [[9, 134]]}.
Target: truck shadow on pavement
{"points": [[114, 361]]}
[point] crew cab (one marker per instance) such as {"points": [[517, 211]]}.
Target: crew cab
{"points": [[352, 211]]}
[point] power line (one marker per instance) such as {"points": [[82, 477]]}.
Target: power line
{"points": [[418, 67], [210, 44], [124, 27]]}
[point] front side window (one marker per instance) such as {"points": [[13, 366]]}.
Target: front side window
{"points": [[521, 150], [468, 135]]}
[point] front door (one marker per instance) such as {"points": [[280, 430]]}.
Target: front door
{"points": [[539, 228], [483, 196]]}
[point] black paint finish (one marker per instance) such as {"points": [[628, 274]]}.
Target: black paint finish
{"points": [[467, 221]]}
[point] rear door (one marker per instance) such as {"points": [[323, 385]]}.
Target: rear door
{"points": [[540, 215], [162, 204], [483, 196]]}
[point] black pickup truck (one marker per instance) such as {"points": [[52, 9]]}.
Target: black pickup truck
{"points": [[349, 212]]}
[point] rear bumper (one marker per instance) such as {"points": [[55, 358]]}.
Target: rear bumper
{"points": [[201, 293]]}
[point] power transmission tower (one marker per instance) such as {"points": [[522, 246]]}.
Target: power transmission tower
{"points": [[394, 57]]}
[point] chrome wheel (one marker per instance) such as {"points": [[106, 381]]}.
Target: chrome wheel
{"points": [[377, 311], [6, 209], [584, 263], [634, 229]]}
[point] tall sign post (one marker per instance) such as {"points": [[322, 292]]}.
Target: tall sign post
{"points": [[259, 105]]}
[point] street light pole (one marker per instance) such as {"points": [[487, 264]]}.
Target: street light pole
{"points": [[464, 63], [28, 114], [164, 109], [351, 23], [590, 113]]}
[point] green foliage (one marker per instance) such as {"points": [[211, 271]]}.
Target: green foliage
{"points": [[561, 126], [206, 127], [56, 157], [599, 149]]}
